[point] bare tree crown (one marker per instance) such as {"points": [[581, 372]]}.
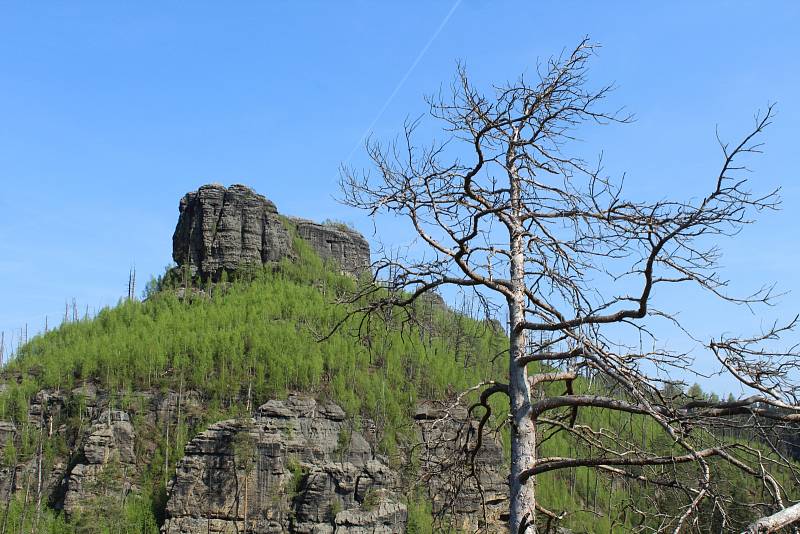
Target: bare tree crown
{"points": [[508, 211]]}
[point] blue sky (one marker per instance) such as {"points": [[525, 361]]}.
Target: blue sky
{"points": [[111, 111]]}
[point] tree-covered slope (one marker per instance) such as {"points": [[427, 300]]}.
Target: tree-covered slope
{"points": [[233, 345], [242, 342], [237, 344]]}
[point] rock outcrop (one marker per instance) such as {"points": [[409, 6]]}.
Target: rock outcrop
{"points": [[294, 467], [222, 229], [298, 467], [107, 465], [474, 495], [101, 453], [336, 242]]}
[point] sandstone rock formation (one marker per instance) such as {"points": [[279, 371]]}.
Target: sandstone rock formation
{"points": [[99, 463], [294, 467], [222, 229], [336, 242], [473, 495], [15, 477], [298, 467], [107, 465]]}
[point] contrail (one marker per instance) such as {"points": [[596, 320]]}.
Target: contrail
{"points": [[404, 78]]}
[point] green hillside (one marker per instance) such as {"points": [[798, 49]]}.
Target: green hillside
{"points": [[241, 342], [257, 337]]}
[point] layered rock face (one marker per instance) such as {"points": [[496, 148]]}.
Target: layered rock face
{"points": [[44, 411], [336, 242], [294, 467], [104, 453], [298, 467], [107, 465], [222, 229]]}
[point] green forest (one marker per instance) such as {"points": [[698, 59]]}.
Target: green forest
{"points": [[255, 335]]}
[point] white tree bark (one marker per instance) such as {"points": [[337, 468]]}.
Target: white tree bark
{"points": [[776, 521], [522, 513], [523, 442]]}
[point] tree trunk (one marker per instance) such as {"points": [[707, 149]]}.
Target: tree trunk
{"points": [[245, 501], [25, 504], [523, 430], [10, 493], [39, 479]]}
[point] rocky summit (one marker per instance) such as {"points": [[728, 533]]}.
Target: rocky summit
{"points": [[222, 229]]}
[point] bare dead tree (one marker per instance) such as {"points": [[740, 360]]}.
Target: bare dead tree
{"points": [[132, 283], [507, 212]]}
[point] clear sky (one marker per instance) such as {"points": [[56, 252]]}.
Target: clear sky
{"points": [[111, 111]]}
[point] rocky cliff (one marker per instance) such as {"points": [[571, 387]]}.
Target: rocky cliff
{"points": [[221, 229], [336, 242], [297, 465]]}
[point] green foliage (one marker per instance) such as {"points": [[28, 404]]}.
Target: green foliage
{"points": [[9, 454], [371, 500], [251, 336], [336, 507], [420, 516], [22, 517], [257, 334], [244, 450], [339, 225], [133, 516], [343, 441], [298, 476]]}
